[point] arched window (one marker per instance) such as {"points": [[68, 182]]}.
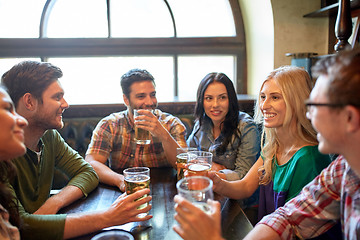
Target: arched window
{"points": [[94, 42]]}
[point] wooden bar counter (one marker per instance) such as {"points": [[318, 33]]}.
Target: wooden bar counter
{"points": [[235, 224]]}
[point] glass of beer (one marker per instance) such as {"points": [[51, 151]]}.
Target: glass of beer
{"points": [[196, 189], [198, 163], [142, 136], [137, 178], [181, 160]]}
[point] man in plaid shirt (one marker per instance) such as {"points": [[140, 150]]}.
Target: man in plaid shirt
{"points": [[332, 197], [113, 137]]}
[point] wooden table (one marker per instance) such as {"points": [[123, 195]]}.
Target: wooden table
{"points": [[235, 224]]}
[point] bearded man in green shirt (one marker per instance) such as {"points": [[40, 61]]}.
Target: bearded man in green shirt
{"points": [[38, 96]]}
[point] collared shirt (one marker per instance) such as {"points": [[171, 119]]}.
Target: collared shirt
{"points": [[331, 197], [114, 136], [241, 153]]}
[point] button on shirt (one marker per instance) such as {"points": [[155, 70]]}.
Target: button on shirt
{"points": [[114, 136], [332, 196]]}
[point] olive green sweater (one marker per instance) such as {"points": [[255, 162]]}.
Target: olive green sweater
{"points": [[34, 181]]}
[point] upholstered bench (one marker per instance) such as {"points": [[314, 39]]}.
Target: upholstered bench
{"points": [[77, 132]]}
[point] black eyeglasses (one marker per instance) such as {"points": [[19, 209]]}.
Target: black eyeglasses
{"points": [[332, 105], [308, 104]]}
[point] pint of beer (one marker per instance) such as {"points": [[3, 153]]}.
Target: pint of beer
{"points": [[142, 136], [198, 163], [181, 160], [137, 178]]}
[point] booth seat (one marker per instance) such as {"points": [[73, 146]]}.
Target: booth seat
{"points": [[77, 132], [80, 120]]}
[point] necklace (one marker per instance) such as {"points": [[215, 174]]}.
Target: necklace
{"points": [[284, 157], [292, 148]]}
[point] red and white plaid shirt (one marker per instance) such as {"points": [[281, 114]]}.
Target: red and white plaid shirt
{"points": [[114, 135], [332, 196]]}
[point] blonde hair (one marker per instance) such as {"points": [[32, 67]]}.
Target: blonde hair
{"points": [[295, 86]]}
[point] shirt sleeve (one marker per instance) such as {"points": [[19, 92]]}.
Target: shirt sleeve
{"points": [[314, 211], [70, 162], [247, 152], [36, 227], [178, 131], [101, 139]]}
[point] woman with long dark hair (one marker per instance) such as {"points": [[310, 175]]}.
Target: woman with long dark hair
{"points": [[231, 135], [11, 145]]}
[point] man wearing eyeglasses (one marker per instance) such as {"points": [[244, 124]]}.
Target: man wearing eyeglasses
{"points": [[334, 111], [331, 198]]}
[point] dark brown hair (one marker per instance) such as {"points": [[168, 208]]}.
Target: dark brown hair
{"points": [[7, 173], [132, 76], [30, 77], [230, 124], [343, 72]]}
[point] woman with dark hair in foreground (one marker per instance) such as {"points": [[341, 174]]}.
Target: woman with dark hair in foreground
{"points": [[11, 145]]}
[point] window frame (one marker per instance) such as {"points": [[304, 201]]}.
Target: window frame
{"points": [[86, 47]]}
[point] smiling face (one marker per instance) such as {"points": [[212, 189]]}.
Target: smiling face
{"points": [[325, 120], [142, 96], [48, 115], [216, 102], [272, 104], [11, 129]]}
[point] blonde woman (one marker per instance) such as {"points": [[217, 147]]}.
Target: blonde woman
{"points": [[289, 157]]}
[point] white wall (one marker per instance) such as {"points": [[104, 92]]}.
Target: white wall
{"points": [[274, 28], [259, 33]]}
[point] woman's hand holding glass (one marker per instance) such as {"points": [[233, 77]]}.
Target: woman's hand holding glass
{"points": [[215, 167], [218, 182]]}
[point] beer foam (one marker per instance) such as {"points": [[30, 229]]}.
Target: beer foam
{"points": [[199, 167]]}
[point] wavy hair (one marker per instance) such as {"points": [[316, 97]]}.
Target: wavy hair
{"points": [[133, 76], [295, 86], [7, 173], [30, 77], [7, 200]]}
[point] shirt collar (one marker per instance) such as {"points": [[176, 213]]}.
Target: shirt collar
{"points": [[129, 122]]}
